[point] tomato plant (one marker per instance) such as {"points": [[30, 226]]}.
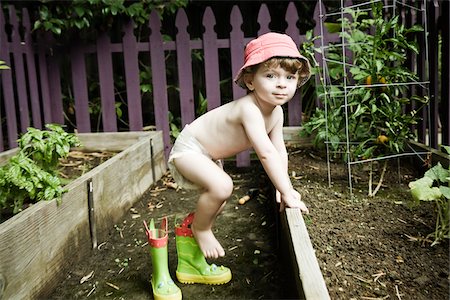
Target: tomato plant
{"points": [[31, 174], [372, 88]]}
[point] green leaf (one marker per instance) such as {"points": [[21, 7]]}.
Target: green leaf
{"points": [[438, 173], [445, 191], [423, 193]]}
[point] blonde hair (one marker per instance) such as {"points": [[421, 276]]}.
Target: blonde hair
{"points": [[298, 66]]}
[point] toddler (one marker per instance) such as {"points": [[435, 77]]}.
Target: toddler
{"points": [[272, 72]]}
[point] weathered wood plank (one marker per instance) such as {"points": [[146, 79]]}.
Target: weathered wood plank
{"points": [[309, 273], [35, 244], [110, 141], [117, 185]]}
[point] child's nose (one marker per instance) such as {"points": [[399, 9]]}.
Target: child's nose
{"points": [[281, 82]]}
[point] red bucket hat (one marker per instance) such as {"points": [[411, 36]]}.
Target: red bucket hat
{"points": [[267, 46]]}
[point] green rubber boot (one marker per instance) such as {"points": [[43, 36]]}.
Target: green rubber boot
{"points": [[192, 266], [163, 286]]}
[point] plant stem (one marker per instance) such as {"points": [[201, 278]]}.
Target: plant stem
{"points": [[370, 179], [381, 178]]}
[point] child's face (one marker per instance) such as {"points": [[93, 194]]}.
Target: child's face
{"points": [[274, 85]]}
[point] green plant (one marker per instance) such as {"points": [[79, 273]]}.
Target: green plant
{"points": [[59, 17], [30, 175], [435, 186], [371, 91]]}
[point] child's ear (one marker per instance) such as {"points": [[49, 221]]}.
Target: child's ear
{"points": [[248, 80]]}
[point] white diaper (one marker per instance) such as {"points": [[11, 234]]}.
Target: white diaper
{"points": [[186, 143]]}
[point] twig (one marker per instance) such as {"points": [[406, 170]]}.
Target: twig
{"points": [[381, 178], [91, 291], [397, 293], [362, 279], [113, 286]]}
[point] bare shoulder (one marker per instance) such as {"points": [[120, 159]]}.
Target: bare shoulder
{"points": [[247, 107]]}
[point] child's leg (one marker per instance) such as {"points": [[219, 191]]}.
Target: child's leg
{"points": [[216, 187]]}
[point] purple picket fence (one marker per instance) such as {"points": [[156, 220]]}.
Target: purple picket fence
{"points": [[31, 91]]}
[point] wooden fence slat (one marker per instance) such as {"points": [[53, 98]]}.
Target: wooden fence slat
{"points": [[184, 62], [237, 60], [433, 73], [445, 75], [263, 19], [130, 57], [80, 89], [105, 74], [211, 57], [19, 71], [421, 72], [160, 100], [8, 90], [31, 70], [43, 77], [54, 83], [295, 105]]}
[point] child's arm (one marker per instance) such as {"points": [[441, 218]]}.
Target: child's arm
{"points": [[273, 163], [276, 136]]}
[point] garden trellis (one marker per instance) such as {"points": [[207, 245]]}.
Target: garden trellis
{"points": [[32, 95], [346, 49]]}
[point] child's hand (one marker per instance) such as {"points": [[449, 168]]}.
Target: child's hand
{"points": [[292, 200]]}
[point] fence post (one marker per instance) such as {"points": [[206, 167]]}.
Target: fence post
{"points": [[295, 105], [105, 74], [159, 81], [210, 50], [237, 51], [31, 70], [19, 71], [445, 75], [130, 56], [8, 90], [80, 89], [184, 63]]}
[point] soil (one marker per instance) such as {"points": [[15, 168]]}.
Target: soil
{"points": [[367, 247]]}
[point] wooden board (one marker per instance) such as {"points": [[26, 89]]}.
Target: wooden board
{"points": [[308, 278], [39, 244], [291, 135]]}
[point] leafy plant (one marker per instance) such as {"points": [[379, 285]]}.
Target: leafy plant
{"points": [[59, 17], [435, 186], [374, 96], [31, 173]]}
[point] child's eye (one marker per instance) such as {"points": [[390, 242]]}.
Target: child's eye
{"points": [[270, 75], [291, 77]]}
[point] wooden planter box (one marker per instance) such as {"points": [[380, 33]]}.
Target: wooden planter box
{"points": [[39, 244], [299, 255]]}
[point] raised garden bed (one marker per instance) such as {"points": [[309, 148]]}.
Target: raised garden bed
{"points": [[45, 240]]}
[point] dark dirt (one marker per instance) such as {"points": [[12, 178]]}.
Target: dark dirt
{"points": [[364, 245]]}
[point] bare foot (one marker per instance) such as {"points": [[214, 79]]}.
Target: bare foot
{"points": [[208, 243]]}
